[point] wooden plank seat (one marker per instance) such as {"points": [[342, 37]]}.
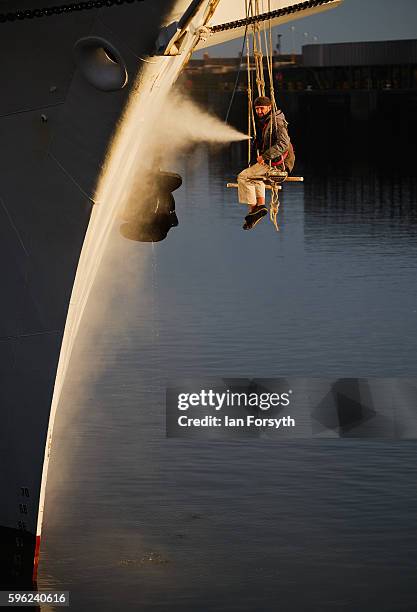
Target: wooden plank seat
{"points": [[274, 180]]}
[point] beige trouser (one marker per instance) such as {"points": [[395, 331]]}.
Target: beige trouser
{"points": [[249, 185]]}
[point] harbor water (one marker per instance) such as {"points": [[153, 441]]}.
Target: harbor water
{"points": [[137, 521]]}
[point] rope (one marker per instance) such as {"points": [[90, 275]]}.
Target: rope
{"points": [[269, 56], [251, 117], [232, 99], [258, 55], [257, 45], [274, 206], [251, 112]]}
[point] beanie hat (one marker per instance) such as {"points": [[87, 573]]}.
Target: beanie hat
{"points": [[262, 101]]}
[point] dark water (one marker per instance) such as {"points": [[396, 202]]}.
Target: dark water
{"points": [[135, 521]]}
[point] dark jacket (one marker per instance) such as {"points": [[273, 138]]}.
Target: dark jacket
{"points": [[272, 140]]}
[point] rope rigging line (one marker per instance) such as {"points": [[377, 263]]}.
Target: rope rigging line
{"points": [[269, 61], [273, 178], [258, 54], [232, 99], [274, 205], [251, 112]]}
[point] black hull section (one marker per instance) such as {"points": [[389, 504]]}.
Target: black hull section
{"points": [[16, 559], [55, 128]]}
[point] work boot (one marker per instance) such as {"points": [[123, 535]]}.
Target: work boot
{"points": [[254, 217]]}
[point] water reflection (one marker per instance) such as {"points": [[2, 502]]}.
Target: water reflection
{"points": [[182, 525], [370, 195]]}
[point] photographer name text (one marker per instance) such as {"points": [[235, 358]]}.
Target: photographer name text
{"points": [[227, 421]]}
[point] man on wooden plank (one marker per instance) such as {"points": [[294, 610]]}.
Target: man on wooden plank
{"points": [[272, 149]]}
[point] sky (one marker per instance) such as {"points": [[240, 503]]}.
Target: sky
{"points": [[354, 21]]}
